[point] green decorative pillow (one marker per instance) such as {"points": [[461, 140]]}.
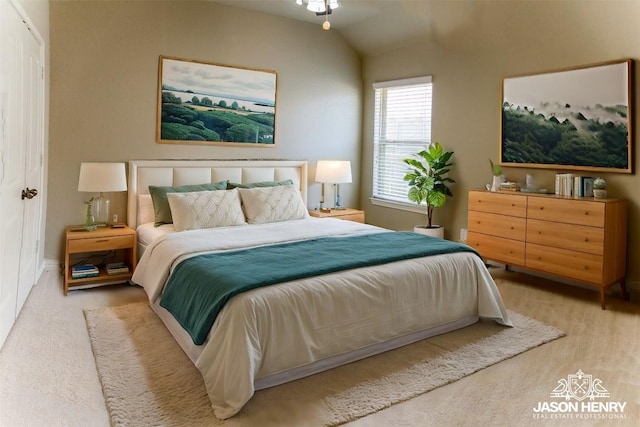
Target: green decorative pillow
{"points": [[161, 207], [232, 185]]}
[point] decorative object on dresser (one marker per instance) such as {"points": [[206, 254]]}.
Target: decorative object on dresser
{"points": [[347, 214], [599, 188], [428, 183], [100, 178], [497, 178], [334, 172], [579, 239], [87, 244]]}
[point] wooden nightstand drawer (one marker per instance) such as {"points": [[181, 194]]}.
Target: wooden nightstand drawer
{"points": [[355, 215], [101, 244]]}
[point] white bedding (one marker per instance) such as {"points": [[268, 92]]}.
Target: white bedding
{"points": [[269, 335], [148, 232]]}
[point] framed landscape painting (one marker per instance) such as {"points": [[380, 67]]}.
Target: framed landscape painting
{"points": [[205, 103], [577, 119]]}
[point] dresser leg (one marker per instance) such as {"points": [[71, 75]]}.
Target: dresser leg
{"points": [[602, 303], [623, 288]]}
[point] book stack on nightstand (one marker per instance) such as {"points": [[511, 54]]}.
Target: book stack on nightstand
{"points": [[83, 271], [115, 268]]}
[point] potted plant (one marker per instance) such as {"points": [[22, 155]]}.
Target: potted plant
{"points": [[428, 183], [599, 188]]}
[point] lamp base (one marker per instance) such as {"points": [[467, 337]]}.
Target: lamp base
{"points": [[101, 205]]}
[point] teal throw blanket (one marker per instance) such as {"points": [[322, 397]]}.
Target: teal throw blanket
{"points": [[200, 286]]}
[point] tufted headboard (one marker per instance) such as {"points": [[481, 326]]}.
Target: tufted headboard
{"points": [[143, 173]]}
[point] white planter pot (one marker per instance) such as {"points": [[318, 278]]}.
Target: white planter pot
{"points": [[436, 231], [600, 193], [495, 184]]}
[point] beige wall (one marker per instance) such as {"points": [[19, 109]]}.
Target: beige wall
{"points": [[472, 51], [104, 71]]}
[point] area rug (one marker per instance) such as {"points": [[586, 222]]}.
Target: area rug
{"points": [[148, 380]]}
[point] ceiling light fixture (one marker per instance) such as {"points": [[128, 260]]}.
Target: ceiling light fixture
{"points": [[321, 8]]}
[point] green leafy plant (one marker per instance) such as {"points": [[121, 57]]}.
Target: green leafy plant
{"points": [[599, 184], [496, 169], [428, 181]]}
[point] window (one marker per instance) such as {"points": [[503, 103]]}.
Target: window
{"points": [[402, 127]]}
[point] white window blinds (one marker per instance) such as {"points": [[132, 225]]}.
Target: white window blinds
{"points": [[402, 127]]}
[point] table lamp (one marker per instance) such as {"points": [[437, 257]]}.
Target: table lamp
{"points": [[100, 178], [334, 172]]}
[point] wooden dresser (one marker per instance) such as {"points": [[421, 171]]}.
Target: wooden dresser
{"points": [[581, 239]]}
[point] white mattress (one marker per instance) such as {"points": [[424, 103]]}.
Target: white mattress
{"points": [[274, 334], [148, 232]]}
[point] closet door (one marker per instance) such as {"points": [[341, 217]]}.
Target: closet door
{"points": [[33, 92], [21, 136]]}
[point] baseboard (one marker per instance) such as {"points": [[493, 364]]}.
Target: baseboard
{"points": [[52, 265]]}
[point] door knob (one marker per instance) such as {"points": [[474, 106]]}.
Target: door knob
{"points": [[29, 193]]}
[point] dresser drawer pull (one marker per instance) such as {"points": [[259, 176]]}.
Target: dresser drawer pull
{"points": [[511, 227], [586, 239], [539, 232], [102, 241], [586, 213], [541, 208]]}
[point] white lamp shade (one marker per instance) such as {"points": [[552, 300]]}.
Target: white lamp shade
{"points": [[333, 171], [102, 177]]}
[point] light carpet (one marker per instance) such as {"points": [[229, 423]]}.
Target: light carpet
{"points": [[148, 380]]}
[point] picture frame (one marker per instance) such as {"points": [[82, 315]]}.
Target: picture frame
{"points": [[587, 186], [211, 104], [579, 118]]}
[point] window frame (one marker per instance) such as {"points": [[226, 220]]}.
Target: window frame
{"points": [[379, 111]]}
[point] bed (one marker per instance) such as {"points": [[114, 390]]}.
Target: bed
{"points": [[266, 336]]}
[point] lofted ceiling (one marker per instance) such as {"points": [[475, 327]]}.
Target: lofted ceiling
{"points": [[374, 26]]}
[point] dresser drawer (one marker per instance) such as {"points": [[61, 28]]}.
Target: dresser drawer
{"points": [[573, 265], [566, 236], [570, 211], [503, 204], [508, 227], [101, 244], [496, 248]]}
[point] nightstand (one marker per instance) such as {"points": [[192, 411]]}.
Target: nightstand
{"points": [[347, 214], [79, 241]]}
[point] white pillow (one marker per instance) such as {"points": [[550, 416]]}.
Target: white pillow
{"points": [[272, 204], [205, 209]]}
